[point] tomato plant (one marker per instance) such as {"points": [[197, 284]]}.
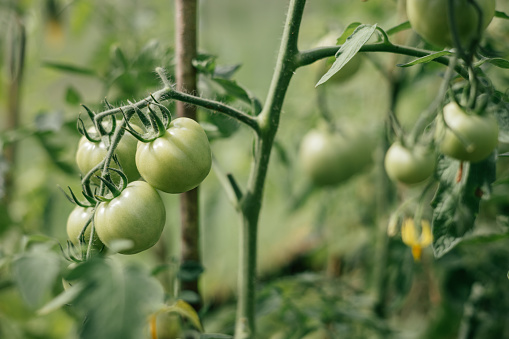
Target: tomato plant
{"points": [[329, 158], [178, 160], [466, 136], [430, 20], [137, 214], [90, 153], [77, 219], [409, 166], [344, 229]]}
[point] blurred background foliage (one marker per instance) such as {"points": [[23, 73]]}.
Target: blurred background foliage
{"points": [[318, 248]]}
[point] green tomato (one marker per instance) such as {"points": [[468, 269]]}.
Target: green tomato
{"points": [[75, 223], [346, 72], [430, 20], [329, 158], [179, 160], [409, 166], [137, 214], [466, 137], [90, 154]]}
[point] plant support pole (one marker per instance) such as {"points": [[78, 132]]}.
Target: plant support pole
{"points": [[15, 63], [186, 51]]}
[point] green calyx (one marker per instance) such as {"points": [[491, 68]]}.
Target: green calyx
{"points": [[99, 127], [156, 126], [114, 189], [72, 198]]}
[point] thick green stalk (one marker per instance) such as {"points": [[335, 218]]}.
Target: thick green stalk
{"points": [[252, 201]]}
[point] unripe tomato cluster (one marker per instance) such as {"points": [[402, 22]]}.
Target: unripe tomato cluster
{"points": [[329, 158], [176, 161], [460, 135]]}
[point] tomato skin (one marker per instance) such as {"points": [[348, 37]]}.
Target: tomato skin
{"points": [[137, 214], [480, 132], [346, 72], [429, 19], [409, 166], [75, 223], [179, 160], [89, 154], [329, 158]]}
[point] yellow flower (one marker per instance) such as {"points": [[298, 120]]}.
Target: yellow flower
{"points": [[409, 237]]}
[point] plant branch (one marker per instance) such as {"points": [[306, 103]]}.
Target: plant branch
{"points": [[168, 93], [309, 56]]}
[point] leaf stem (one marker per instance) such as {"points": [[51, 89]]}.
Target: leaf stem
{"points": [[168, 93], [309, 56]]}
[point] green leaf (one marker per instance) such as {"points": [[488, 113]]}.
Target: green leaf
{"points": [[456, 203], [231, 87], [72, 96], [185, 310], [352, 45], [226, 72], [118, 57], [64, 298], [55, 152], [49, 121], [502, 15], [190, 271], [347, 32], [117, 300], [426, 59], [70, 68], [499, 62], [501, 112], [399, 28], [35, 272], [205, 63]]}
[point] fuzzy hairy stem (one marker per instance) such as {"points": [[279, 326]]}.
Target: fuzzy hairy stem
{"points": [[312, 55], [252, 201], [169, 93]]}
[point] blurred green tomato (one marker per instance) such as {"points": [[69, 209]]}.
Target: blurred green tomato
{"points": [[466, 137], [329, 158], [430, 20], [409, 166]]}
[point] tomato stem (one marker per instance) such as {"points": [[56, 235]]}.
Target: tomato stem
{"points": [[268, 122]]}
